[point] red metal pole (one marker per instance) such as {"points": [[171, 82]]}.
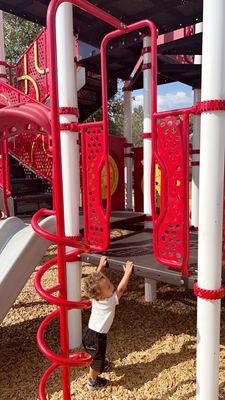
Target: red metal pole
{"points": [[5, 173]]}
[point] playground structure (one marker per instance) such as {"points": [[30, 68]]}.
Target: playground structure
{"points": [[166, 146]]}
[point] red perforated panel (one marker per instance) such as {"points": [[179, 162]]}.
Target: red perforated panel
{"points": [[10, 96], [94, 159], [34, 65], [171, 226], [33, 152]]}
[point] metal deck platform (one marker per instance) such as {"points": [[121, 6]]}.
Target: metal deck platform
{"points": [[137, 246]]}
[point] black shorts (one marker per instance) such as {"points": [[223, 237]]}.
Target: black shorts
{"points": [[95, 344]]}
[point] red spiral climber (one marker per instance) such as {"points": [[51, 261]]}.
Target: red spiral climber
{"points": [[64, 360]]}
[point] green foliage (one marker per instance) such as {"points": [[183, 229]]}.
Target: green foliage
{"points": [[19, 34], [115, 115], [116, 119], [137, 126]]}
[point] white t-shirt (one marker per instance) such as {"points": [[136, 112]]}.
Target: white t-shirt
{"points": [[102, 314]]}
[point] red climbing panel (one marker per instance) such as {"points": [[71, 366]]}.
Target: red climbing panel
{"points": [[170, 139], [31, 70], [94, 159]]}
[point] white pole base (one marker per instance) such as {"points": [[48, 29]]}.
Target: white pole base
{"points": [[150, 290], [208, 344]]}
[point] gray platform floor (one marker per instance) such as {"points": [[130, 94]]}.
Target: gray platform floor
{"points": [[137, 246]]}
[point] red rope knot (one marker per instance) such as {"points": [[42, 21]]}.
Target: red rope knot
{"points": [[147, 135], [70, 126], [207, 294], [146, 50], [146, 66], [69, 111], [209, 105]]}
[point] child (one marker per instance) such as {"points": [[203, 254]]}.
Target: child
{"points": [[105, 298]]}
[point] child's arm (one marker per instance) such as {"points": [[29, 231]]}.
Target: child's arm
{"points": [[102, 264], [128, 268]]}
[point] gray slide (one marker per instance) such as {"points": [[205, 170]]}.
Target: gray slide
{"points": [[21, 249]]}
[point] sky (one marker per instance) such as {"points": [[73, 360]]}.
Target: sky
{"points": [[170, 96]]}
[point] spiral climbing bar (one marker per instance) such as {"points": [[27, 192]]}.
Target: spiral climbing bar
{"points": [[58, 360]]}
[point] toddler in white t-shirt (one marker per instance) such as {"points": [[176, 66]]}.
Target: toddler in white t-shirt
{"points": [[105, 297]]}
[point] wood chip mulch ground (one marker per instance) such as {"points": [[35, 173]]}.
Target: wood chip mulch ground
{"points": [[151, 346]]}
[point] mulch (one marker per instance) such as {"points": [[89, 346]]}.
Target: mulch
{"points": [[152, 346]]}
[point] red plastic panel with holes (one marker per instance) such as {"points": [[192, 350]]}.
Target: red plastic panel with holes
{"points": [[94, 160], [171, 223], [10, 96], [34, 64], [32, 150]]}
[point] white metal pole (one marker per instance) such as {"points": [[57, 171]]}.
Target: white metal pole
{"points": [[150, 285], [2, 45], [195, 169], [147, 143], [70, 157], [196, 146], [211, 199], [128, 137]]}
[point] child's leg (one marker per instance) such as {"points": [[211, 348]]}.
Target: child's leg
{"points": [[93, 374]]}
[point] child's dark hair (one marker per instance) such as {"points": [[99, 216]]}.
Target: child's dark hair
{"points": [[91, 285]]}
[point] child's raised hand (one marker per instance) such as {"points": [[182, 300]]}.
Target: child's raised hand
{"points": [[103, 261], [128, 268]]}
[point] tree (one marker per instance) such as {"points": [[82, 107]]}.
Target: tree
{"points": [[19, 34], [115, 115], [137, 126]]}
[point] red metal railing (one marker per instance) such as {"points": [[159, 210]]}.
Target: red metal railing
{"points": [[4, 173]]}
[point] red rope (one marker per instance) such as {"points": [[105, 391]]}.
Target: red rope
{"points": [[69, 110], [146, 66], [146, 50], [207, 294], [70, 126], [209, 105], [146, 135]]}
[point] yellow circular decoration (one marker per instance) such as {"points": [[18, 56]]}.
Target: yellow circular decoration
{"points": [[114, 177], [157, 184]]}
